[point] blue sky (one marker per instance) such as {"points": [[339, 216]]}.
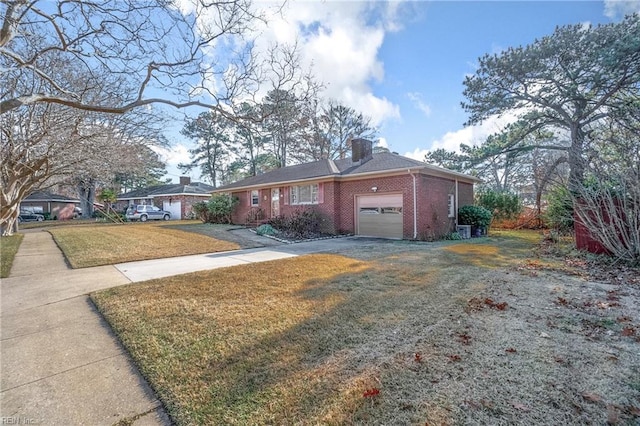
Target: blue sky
{"points": [[403, 63]]}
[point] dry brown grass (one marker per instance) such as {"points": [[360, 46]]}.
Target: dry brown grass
{"points": [[86, 246], [303, 340]]}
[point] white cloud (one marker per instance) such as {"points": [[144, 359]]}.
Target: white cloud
{"points": [[173, 155], [618, 8], [382, 143], [470, 135], [416, 99], [340, 41]]}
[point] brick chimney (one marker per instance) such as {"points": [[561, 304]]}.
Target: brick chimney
{"points": [[361, 150], [185, 180]]}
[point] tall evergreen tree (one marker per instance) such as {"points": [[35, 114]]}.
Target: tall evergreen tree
{"points": [[210, 131]]}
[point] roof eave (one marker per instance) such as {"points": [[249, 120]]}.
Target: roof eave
{"points": [[181, 193], [270, 184], [49, 200]]}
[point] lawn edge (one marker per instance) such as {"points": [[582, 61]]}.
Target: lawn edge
{"points": [[135, 362], [8, 256]]}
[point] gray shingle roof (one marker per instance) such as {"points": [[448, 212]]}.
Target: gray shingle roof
{"points": [[380, 162], [49, 196], [195, 188]]}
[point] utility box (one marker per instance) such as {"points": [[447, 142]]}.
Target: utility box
{"points": [[464, 231]]}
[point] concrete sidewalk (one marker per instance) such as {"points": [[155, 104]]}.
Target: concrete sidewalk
{"points": [[60, 362]]}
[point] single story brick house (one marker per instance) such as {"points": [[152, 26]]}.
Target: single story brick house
{"points": [[380, 195], [176, 198], [60, 207]]}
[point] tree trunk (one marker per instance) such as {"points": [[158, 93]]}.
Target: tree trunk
{"points": [[576, 158], [87, 195], [10, 224]]}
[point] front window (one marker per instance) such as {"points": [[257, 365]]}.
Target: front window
{"points": [[255, 198], [304, 194]]}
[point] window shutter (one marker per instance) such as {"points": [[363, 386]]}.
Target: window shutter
{"points": [[287, 190], [249, 198], [320, 193]]}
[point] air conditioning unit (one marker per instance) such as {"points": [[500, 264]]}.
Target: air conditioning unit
{"points": [[464, 231]]}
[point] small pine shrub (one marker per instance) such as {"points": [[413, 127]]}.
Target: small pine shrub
{"points": [[266, 230]]}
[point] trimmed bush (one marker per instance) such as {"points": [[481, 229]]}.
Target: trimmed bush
{"points": [[301, 224], [217, 210], [476, 216]]}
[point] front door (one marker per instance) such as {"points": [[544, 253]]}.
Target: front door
{"points": [[275, 202]]}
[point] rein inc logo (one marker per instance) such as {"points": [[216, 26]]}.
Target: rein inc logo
{"points": [[17, 421]]}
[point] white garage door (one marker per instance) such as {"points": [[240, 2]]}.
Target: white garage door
{"points": [[379, 215], [173, 208]]}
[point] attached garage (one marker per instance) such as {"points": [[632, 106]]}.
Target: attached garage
{"points": [[379, 215], [173, 207]]}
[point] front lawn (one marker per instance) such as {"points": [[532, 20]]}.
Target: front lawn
{"points": [[86, 246], [480, 332], [8, 248]]}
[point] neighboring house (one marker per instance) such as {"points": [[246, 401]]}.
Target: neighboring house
{"points": [[58, 206], [176, 198], [380, 195]]}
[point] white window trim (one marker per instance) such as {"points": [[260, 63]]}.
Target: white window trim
{"points": [[257, 197], [294, 195]]}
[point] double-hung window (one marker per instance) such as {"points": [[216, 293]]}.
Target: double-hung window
{"points": [[304, 194], [451, 205], [255, 198]]}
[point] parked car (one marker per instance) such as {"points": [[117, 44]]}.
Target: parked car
{"points": [[146, 212], [27, 216]]}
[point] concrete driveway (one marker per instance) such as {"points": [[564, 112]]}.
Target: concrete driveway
{"points": [[160, 268], [60, 362]]}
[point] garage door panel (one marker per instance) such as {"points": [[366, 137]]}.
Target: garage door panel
{"points": [[380, 216], [381, 225], [394, 200], [174, 208]]}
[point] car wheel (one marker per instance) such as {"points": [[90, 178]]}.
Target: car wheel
{"points": [[40, 218], [143, 218], [166, 217], [19, 220]]}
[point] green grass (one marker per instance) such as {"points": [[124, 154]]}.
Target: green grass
{"points": [[86, 245], [8, 248]]}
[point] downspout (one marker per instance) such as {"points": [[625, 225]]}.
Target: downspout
{"points": [[415, 207], [455, 207]]}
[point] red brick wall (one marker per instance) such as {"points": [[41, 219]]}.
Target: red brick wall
{"points": [[465, 194], [348, 191], [338, 205], [239, 216], [433, 213], [326, 208]]}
